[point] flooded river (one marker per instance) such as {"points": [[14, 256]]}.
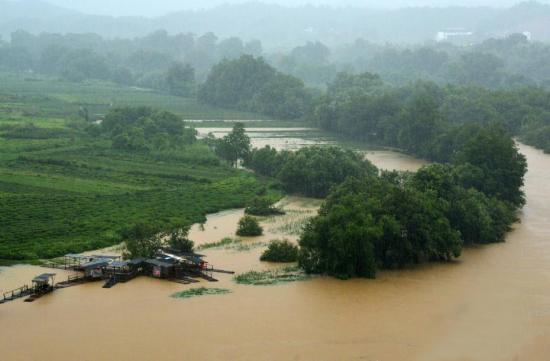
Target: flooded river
{"points": [[492, 304]]}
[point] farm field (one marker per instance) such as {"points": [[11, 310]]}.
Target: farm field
{"points": [[37, 96], [63, 191]]}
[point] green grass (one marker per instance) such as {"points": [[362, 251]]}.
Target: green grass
{"points": [[270, 278], [202, 291]]}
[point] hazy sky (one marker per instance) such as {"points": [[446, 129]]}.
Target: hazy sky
{"points": [[160, 7]]}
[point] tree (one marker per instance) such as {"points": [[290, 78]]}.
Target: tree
{"points": [[501, 165], [313, 171], [142, 240], [179, 240], [266, 161], [250, 84], [249, 227], [235, 145], [371, 222]]}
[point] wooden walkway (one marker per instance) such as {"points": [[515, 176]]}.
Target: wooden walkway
{"points": [[16, 294]]}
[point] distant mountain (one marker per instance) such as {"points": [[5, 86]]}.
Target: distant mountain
{"points": [[280, 26]]}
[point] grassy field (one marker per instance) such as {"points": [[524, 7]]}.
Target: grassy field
{"points": [[65, 192], [39, 96]]}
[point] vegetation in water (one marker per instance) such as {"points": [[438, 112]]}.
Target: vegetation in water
{"points": [[282, 251], [400, 219], [262, 207], [232, 244], [202, 291], [222, 243], [311, 171], [249, 227], [270, 278]]}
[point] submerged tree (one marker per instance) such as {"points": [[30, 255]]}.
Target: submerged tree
{"points": [[280, 251], [179, 240], [249, 227]]}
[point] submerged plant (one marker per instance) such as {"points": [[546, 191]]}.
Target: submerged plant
{"points": [[201, 291], [280, 251], [269, 278], [224, 242]]}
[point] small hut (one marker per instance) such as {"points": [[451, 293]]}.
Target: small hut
{"points": [[95, 269], [43, 283]]}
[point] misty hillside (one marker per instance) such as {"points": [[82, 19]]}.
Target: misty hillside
{"points": [[270, 22]]}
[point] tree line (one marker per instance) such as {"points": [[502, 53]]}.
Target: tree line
{"points": [[428, 120]]}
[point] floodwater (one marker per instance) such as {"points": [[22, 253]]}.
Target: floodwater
{"points": [[278, 138], [492, 304]]}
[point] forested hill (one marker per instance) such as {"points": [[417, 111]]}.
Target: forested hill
{"points": [[269, 22]]}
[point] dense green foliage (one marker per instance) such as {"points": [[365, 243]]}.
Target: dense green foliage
{"points": [[249, 227], [397, 220], [250, 84], [145, 129], [280, 251], [310, 171], [428, 120], [179, 240]]}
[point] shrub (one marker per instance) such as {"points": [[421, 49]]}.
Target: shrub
{"points": [[249, 227], [280, 251]]}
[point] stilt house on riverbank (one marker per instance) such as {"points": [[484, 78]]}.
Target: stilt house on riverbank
{"points": [[168, 264]]}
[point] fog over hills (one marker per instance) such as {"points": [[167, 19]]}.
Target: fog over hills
{"points": [[161, 7], [269, 22]]}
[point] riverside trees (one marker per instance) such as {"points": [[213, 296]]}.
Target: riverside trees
{"points": [[393, 220], [399, 219], [310, 171]]}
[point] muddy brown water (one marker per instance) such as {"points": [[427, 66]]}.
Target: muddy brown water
{"points": [[492, 304]]}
